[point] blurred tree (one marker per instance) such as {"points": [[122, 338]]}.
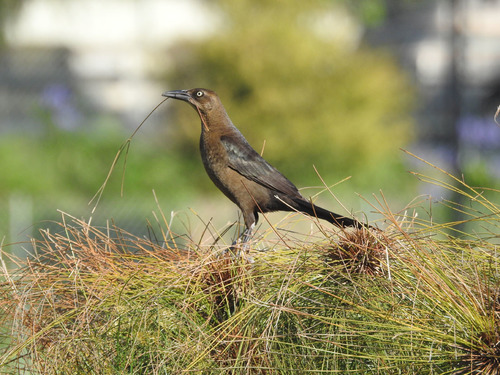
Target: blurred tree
{"points": [[285, 76]]}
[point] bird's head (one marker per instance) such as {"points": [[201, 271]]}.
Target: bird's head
{"points": [[202, 100], [207, 104]]}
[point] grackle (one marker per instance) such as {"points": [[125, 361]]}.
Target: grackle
{"points": [[240, 172]]}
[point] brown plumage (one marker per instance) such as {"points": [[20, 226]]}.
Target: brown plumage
{"points": [[240, 172]]}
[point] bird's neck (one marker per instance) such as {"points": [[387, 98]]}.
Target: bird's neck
{"points": [[216, 122]]}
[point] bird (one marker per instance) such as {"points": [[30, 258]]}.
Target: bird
{"points": [[240, 172]]}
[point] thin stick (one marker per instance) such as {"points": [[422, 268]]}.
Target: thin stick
{"points": [[263, 147], [202, 119], [125, 146]]}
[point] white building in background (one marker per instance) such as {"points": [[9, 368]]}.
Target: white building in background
{"points": [[478, 23], [113, 47], [452, 50]]}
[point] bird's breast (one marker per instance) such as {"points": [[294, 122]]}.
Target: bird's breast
{"points": [[212, 152], [214, 157], [216, 163]]}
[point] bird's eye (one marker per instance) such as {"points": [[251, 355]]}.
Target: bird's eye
{"points": [[199, 94]]}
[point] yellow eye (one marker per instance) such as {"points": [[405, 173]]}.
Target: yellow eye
{"points": [[199, 94]]}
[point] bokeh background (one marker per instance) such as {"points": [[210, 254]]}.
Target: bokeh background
{"points": [[339, 85]]}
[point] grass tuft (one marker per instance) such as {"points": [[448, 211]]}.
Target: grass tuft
{"points": [[359, 251]]}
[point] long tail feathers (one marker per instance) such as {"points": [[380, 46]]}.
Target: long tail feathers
{"points": [[321, 213]]}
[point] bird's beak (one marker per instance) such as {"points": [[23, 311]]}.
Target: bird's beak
{"points": [[177, 94]]}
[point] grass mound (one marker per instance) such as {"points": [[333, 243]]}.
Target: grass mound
{"points": [[411, 299]]}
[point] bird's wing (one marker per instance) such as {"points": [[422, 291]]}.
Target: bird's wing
{"points": [[247, 162]]}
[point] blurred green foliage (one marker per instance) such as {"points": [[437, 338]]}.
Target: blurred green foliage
{"points": [[315, 98], [62, 170], [76, 163]]}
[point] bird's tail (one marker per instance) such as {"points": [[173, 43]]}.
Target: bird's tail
{"points": [[321, 213]]}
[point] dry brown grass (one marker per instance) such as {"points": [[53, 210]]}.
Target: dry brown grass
{"points": [[410, 299]]}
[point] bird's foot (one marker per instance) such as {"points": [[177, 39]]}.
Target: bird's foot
{"points": [[241, 247], [240, 250]]}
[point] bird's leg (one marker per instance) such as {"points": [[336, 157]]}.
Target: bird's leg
{"points": [[247, 235], [242, 242]]}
